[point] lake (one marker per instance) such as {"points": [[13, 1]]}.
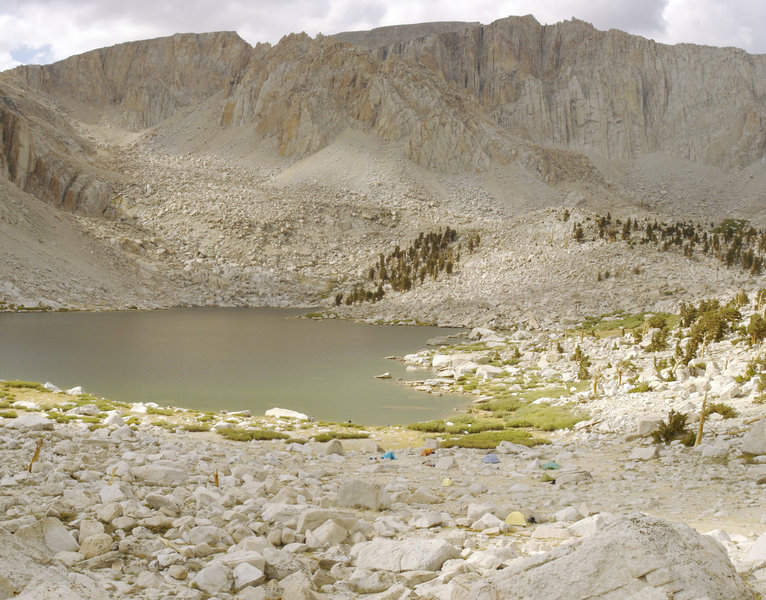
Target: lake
{"points": [[226, 359]]}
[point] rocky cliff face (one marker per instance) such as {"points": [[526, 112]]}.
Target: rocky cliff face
{"points": [[610, 92], [302, 93], [138, 84], [43, 155]]}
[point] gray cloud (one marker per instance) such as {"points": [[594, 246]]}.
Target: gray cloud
{"points": [[46, 30]]}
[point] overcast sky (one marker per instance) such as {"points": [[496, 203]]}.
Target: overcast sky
{"points": [[42, 31]]}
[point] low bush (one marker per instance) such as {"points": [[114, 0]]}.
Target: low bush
{"points": [[726, 411]]}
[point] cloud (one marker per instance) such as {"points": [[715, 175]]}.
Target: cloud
{"points": [[47, 30], [717, 23]]}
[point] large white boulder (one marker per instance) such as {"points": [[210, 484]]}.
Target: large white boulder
{"points": [[356, 493], [403, 555], [284, 413], [213, 579], [159, 474], [754, 441], [638, 557], [755, 557], [51, 533], [327, 534], [31, 422]]}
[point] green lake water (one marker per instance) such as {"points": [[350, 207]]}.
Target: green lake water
{"points": [[226, 359]]}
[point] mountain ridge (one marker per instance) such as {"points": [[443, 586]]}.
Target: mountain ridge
{"points": [[228, 174]]}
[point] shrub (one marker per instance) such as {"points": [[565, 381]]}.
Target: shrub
{"points": [[756, 329], [659, 341], [672, 429], [726, 411], [657, 322], [151, 410]]}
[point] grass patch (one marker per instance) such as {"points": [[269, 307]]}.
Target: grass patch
{"points": [[544, 417], [553, 393], [247, 435], [103, 404], [501, 406], [468, 384], [30, 385], [340, 435], [615, 323], [88, 419], [293, 440], [640, 388], [151, 410], [429, 426], [490, 439], [196, 427], [8, 414], [474, 426], [61, 418]]}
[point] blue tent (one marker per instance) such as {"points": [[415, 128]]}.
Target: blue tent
{"points": [[491, 459]]}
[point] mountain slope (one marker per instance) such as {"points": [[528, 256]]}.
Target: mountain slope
{"points": [[203, 170]]}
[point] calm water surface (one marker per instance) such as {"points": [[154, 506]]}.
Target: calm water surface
{"points": [[225, 359]]}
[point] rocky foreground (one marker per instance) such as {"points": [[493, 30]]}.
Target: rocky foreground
{"points": [[149, 514], [121, 504]]}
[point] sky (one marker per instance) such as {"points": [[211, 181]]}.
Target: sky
{"points": [[43, 31]]}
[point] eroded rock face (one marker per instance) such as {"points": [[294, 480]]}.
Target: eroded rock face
{"points": [[43, 155], [618, 94]]}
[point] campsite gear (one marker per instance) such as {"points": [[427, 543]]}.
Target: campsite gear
{"points": [[516, 518], [491, 459], [390, 455], [551, 466]]}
